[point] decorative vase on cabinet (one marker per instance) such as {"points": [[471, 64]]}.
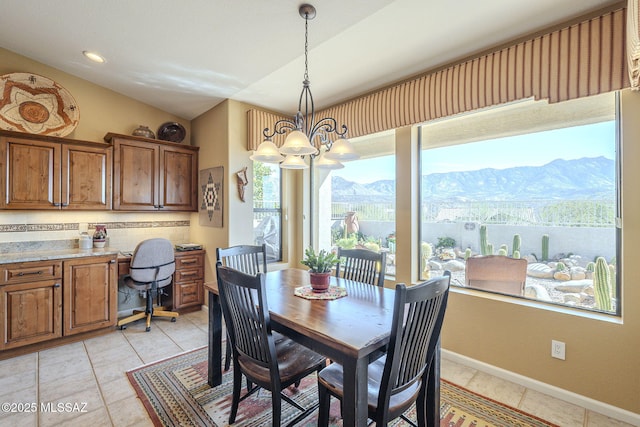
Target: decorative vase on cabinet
{"points": [[100, 236]]}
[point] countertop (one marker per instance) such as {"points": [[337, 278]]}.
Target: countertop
{"points": [[11, 257]]}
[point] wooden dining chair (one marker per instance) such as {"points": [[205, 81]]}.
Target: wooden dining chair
{"points": [[267, 359], [399, 378], [362, 265], [250, 259]]}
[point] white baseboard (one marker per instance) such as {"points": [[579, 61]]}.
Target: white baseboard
{"points": [[568, 396]]}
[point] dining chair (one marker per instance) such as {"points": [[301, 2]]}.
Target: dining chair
{"points": [[362, 265], [399, 378], [250, 259], [267, 359]]}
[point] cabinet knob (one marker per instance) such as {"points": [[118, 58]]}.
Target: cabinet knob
{"points": [[57, 285]]}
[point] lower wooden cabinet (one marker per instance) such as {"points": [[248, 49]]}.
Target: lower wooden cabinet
{"points": [[44, 300], [188, 280], [30, 303], [90, 298]]}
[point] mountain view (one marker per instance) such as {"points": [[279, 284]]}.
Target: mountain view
{"points": [[583, 179]]}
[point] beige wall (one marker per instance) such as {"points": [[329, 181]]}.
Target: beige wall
{"points": [[601, 356]]}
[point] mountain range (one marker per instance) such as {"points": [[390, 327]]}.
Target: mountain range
{"points": [[587, 178]]}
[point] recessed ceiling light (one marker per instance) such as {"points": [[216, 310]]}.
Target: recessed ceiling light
{"points": [[94, 57]]}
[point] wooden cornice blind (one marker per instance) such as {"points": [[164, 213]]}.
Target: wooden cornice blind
{"points": [[633, 43], [580, 60]]}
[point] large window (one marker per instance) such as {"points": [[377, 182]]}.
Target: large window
{"points": [[356, 204], [267, 209], [522, 200]]}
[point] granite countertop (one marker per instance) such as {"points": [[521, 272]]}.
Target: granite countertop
{"points": [[45, 255]]}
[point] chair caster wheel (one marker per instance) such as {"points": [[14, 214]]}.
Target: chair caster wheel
{"points": [[123, 327], [173, 319], [148, 328]]}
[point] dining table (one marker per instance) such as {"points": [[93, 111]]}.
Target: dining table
{"points": [[352, 330]]}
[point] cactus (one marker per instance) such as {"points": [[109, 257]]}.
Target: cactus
{"points": [[427, 253], [467, 253], [516, 244], [545, 247], [612, 280], [561, 266], [516, 254], [483, 240], [602, 285], [502, 251], [504, 247], [591, 267], [489, 249]]}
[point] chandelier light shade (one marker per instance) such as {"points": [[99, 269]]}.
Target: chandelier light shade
{"points": [[304, 133], [267, 152], [324, 163]]}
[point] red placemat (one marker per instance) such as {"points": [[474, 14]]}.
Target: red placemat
{"points": [[334, 292]]}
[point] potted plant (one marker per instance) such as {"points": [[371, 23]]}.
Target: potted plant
{"points": [[320, 265]]}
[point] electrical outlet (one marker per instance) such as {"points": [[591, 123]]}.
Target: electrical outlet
{"points": [[557, 349]]}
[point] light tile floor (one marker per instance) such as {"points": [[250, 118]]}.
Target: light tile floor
{"points": [[92, 372]]}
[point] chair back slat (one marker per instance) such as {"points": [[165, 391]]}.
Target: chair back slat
{"points": [[244, 306], [250, 259], [417, 322], [362, 265]]}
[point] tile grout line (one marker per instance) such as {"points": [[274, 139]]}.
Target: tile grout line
{"points": [[95, 377]]}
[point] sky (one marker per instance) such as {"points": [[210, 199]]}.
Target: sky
{"points": [[534, 149]]}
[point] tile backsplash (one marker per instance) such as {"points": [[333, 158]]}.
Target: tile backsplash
{"points": [[36, 230]]}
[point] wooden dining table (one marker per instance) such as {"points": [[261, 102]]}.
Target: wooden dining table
{"points": [[352, 330]]}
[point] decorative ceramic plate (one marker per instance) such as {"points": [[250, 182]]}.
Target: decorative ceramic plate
{"points": [[35, 104], [171, 131]]}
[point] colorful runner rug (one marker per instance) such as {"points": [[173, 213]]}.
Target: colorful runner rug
{"points": [[175, 393]]}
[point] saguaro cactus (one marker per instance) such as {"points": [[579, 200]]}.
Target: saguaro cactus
{"points": [[483, 240], [545, 247], [602, 284], [516, 244], [467, 253]]}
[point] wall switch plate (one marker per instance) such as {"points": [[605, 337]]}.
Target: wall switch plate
{"points": [[557, 349]]}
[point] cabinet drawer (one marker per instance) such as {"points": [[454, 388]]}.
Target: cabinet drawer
{"points": [[30, 272], [189, 274], [189, 261], [188, 294]]}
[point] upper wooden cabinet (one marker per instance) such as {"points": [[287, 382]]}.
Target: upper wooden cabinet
{"points": [[153, 175], [54, 173]]}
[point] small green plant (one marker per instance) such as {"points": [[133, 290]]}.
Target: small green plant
{"points": [[502, 252], [467, 253], [445, 242], [484, 244], [591, 267], [349, 242], [321, 262], [561, 266], [516, 255]]}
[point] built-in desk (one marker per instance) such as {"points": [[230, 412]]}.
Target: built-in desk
{"points": [[188, 279]]}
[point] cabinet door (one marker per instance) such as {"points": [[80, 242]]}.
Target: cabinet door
{"points": [[179, 179], [31, 179], [86, 177], [30, 313], [90, 300], [136, 174]]}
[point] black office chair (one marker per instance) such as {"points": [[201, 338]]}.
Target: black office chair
{"points": [[399, 378], [245, 258], [268, 360], [151, 269], [362, 265]]}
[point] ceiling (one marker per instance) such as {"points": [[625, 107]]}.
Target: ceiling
{"points": [[187, 56]]}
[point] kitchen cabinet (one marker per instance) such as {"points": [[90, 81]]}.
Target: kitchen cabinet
{"points": [[188, 280], [30, 303], [41, 172], [41, 301], [90, 294], [152, 175]]}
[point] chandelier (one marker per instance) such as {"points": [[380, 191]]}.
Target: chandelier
{"points": [[303, 131]]}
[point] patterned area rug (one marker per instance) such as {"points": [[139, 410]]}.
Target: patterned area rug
{"points": [[175, 393]]}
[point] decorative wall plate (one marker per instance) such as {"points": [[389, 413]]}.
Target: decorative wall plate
{"points": [[172, 132], [35, 104]]}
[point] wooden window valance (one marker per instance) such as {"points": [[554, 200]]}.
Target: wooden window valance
{"points": [[578, 60]]}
